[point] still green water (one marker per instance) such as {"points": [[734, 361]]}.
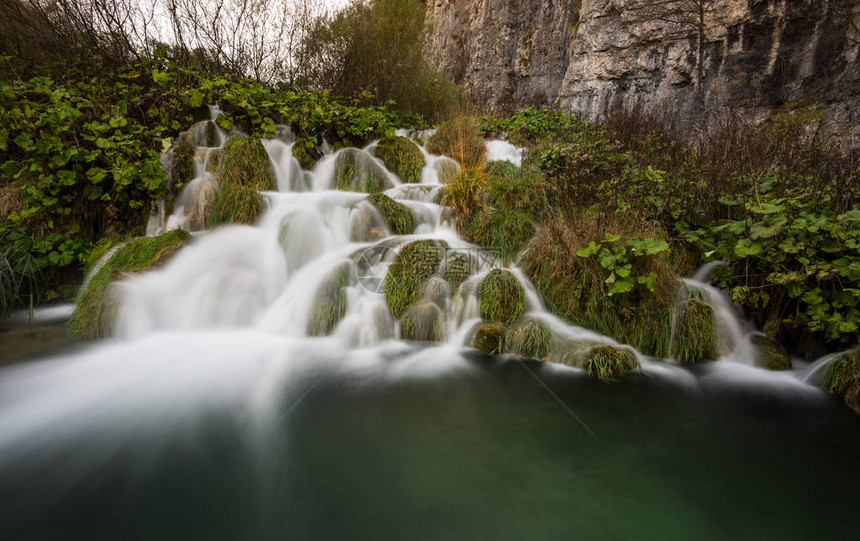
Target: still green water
{"points": [[470, 449]]}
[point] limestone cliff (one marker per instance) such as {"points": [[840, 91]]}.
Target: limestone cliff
{"points": [[587, 55]]}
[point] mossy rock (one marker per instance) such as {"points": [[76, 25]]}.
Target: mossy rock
{"points": [[422, 322], [307, 156], [505, 232], [197, 209], [842, 378], [502, 297], [214, 160], [244, 162], [400, 218], [181, 166], [412, 268], [355, 171], [608, 363], [330, 303], [402, 157], [695, 338], [460, 139], [458, 268], [769, 354], [205, 134], [529, 337], [95, 307], [235, 205], [489, 338]]}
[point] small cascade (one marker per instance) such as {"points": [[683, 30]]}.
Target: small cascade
{"points": [[735, 334]]}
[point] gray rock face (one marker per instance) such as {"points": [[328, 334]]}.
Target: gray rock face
{"points": [[588, 56]]}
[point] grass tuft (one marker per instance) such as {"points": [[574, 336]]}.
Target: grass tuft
{"points": [[400, 218], [843, 378], [530, 338], [695, 338], [412, 267], [608, 363], [95, 307]]}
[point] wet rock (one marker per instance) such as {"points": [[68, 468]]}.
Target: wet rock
{"points": [[769, 354], [422, 322], [355, 171]]}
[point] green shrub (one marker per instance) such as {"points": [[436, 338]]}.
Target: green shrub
{"points": [[95, 307], [400, 218], [695, 338], [530, 338], [502, 297], [608, 363], [356, 171], [401, 157], [330, 303], [512, 188], [459, 138], [422, 322], [611, 277], [412, 267], [489, 338], [843, 378]]}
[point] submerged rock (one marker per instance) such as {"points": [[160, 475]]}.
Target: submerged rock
{"points": [[502, 297], [529, 337], [412, 268], [95, 307], [695, 337], [355, 171], [422, 322], [769, 354], [842, 378], [402, 157], [330, 302], [489, 338]]}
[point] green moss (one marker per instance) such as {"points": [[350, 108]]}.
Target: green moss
{"points": [[695, 338], [608, 363], [460, 139], [843, 378], [489, 338], [330, 302], [303, 154], [357, 172], [400, 218], [401, 157], [529, 337], [502, 297], [244, 162], [95, 307], [412, 268], [182, 166], [422, 322], [236, 205], [457, 270], [512, 188], [505, 232], [769, 354]]}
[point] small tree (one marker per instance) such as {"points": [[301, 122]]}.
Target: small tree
{"points": [[685, 17]]}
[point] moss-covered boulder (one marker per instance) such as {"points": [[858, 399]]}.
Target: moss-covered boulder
{"points": [[842, 378], [236, 205], [502, 297], [458, 268], [422, 322], [529, 337], [400, 218], [460, 139], [181, 165], [306, 154], [95, 307], [608, 363], [769, 354], [506, 232], [412, 268], [489, 338], [330, 303], [695, 337], [244, 162], [355, 171], [402, 157]]}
